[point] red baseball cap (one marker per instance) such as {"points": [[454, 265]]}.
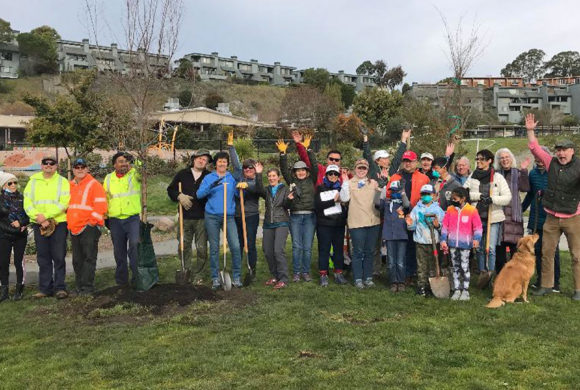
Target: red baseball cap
{"points": [[409, 155]]}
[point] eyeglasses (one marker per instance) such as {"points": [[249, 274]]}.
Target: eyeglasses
{"points": [[362, 168], [332, 173], [333, 159], [79, 166], [480, 159], [248, 167], [51, 163], [12, 183]]}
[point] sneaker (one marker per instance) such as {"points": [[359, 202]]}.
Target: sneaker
{"points": [[61, 294], [359, 284], [296, 278], [40, 295], [306, 277], [216, 285], [402, 287], [394, 287], [237, 283], [339, 278], [576, 295], [369, 283], [556, 288], [280, 285], [456, 295], [323, 280], [464, 296], [542, 291], [271, 282]]}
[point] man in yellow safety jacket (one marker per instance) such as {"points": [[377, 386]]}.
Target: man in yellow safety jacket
{"points": [[123, 189], [46, 199]]}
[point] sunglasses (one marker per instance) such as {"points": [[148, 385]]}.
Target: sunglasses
{"points": [[79, 166], [12, 183], [333, 159], [362, 167], [332, 173], [248, 167], [51, 163]]}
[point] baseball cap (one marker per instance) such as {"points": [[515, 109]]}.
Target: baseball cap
{"points": [[48, 158], [564, 144], [300, 165], [249, 163], [80, 161], [409, 155], [202, 152], [361, 162], [427, 189], [427, 155], [380, 154], [333, 168]]}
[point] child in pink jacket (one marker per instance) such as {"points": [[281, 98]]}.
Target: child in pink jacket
{"points": [[460, 232]]}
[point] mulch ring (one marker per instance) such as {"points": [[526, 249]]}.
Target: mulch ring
{"points": [[123, 304]]}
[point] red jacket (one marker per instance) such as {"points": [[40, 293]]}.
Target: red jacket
{"points": [[418, 180], [88, 204], [303, 154]]}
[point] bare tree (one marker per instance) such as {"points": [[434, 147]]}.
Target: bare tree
{"points": [[151, 31], [464, 47]]}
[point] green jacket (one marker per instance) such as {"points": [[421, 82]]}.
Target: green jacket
{"points": [[304, 193]]}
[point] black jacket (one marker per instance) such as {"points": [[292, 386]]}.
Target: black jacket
{"points": [[304, 192], [189, 186], [330, 220], [12, 209], [563, 192], [277, 207]]}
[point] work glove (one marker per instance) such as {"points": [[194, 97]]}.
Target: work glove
{"points": [[185, 201], [307, 140], [231, 138], [282, 146], [242, 185], [485, 200], [217, 182]]}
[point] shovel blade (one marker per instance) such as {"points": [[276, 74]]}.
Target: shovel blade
{"points": [[440, 287], [182, 276], [226, 280], [484, 278]]}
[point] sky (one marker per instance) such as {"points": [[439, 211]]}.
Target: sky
{"points": [[336, 35]]}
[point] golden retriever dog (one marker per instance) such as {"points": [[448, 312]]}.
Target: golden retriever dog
{"points": [[512, 282]]}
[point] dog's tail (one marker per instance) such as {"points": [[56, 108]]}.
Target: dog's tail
{"points": [[495, 303]]}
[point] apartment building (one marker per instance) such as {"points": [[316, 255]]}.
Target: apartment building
{"points": [[9, 59]]}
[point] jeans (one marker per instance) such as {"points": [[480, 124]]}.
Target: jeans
{"points": [[85, 247], [50, 254], [213, 225], [330, 236], [538, 252], [411, 257], [274, 245], [125, 237], [302, 231], [6, 247], [396, 250], [493, 240], [252, 222], [364, 240]]}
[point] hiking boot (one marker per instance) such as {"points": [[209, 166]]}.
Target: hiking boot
{"points": [[18, 292], [576, 295], [394, 287], [271, 282], [359, 284], [61, 294], [323, 280], [464, 296], [339, 278], [542, 291], [556, 288], [369, 283], [280, 285], [306, 277], [237, 283], [215, 284], [40, 295], [402, 287], [456, 295], [4, 293], [296, 278]]}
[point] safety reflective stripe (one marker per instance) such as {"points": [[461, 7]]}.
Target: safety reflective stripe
{"points": [[86, 192], [83, 204], [121, 194], [79, 207], [97, 215], [97, 200], [32, 191], [59, 193]]}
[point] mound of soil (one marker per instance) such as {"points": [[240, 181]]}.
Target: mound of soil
{"points": [[160, 295]]}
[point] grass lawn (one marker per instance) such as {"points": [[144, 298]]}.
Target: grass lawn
{"points": [[301, 337]]}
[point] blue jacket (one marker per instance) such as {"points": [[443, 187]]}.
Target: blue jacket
{"points": [[394, 225], [538, 182], [215, 195], [422, 233]]}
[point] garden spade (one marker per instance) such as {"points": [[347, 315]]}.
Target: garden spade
{"points": [[225, 278], [182, 276], [485, 275], [250, 275], [439, 284]]}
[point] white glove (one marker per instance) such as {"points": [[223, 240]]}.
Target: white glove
{"points": [[185, 201]]}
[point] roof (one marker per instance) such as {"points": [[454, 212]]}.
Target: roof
{"points": [[205, 115], [15, 121]]}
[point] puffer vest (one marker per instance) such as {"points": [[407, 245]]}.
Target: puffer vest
{"points": [[563, 192]]}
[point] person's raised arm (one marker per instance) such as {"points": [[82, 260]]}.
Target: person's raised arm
{"points": [[533, 143], [405, 135], [286, 171], [259, 181], [300, 148], [238, 172], [314, 167]]}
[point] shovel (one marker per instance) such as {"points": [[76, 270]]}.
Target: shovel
{"points": [[182, 276], [485, 276], [439, 284], [225, 278], [250, 275]]}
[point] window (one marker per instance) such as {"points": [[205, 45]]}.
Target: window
{"points": [[227, 64], [205, 60], [6, 55], [245, 67]]}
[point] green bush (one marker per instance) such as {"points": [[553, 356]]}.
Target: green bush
{"points": [[245, 148]]}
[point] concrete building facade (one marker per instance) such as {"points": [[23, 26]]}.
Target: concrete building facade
{"points": [[9, 59]]}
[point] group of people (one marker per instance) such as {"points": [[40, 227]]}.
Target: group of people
{"points": [[414, 207]]}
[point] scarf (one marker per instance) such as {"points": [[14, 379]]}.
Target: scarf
{"points": [[482, 176], [328, 184], [516, 205]]}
